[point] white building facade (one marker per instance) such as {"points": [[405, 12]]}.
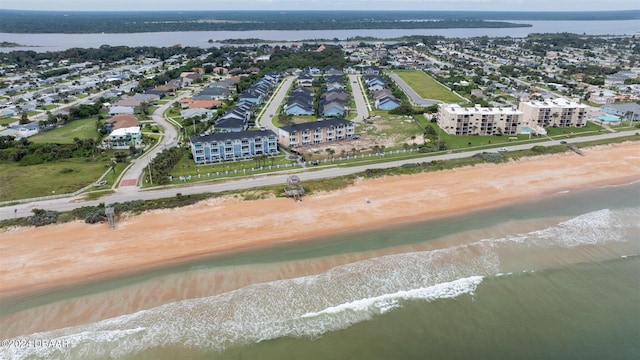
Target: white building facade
{"points": [[554, 113], [477, 120]]}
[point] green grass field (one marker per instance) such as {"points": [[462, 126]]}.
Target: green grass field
{"points": [[81, 129], [7, 121], [425, 86], [60, 177]]}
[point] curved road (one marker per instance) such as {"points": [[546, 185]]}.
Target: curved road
{"points": [[66, 204], [272, 107], [129, 180]]}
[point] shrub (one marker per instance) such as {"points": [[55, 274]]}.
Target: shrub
{"points": [[95, 216], [490, 157], [43, 217]]}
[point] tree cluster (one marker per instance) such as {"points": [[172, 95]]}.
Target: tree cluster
{"points": [[162, 165], [28, 153]]}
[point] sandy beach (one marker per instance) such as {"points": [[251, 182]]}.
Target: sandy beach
{"points": [[36, 259]]}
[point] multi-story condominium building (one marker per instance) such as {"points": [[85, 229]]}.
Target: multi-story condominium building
{"points": [[553, 113], [456, 120], [233, 145], [316, 132]]}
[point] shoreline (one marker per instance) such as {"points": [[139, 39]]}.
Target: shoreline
{"points": [[54, 257]]}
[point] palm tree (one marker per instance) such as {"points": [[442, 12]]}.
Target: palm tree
{"points": [[629, 115]]}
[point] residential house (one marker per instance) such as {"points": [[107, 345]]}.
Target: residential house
{"points": [[333, 70], [300, 102], [129, 101], [618, 78], [188, 77], [205, 104], [196, 112], [333, 109], [147, 97], [306, 80], [124, 137], [252, 96], [312, 70], [387, 103], [371, 70], [336, 96], [351, 70], [315, 133], [298, 109], [213, 92], [603, 97], [231, 125], [23, 130], [627, 111], [7, 112], [123, 121], [232, 146], [114, 110]]}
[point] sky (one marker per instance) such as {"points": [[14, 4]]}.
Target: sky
{"points": [[481, 5]]}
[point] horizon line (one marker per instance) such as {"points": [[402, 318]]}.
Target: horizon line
{"points": [[342, 10]]}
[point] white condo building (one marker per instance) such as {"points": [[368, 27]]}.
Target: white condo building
{"points": [[553, 113], [477, 120]]}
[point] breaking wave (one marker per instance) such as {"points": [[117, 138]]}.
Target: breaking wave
{"points": [[313, 305]]}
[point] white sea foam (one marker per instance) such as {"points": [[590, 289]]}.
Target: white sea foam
{"points": [[384, 303], [313, 305], [597, 227]]}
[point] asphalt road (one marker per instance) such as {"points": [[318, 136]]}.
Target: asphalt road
{"points": [[416, 99], [170, 139], [66, 204], [358, 98], [272, 107]]}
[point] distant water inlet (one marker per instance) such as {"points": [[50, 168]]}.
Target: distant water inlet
{"points": [[59, 42], [392, 296]]}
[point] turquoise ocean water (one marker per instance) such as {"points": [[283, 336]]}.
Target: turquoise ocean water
{"points": [[556, 278]]}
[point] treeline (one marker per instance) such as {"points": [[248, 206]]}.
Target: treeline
{"points": [[162, 164], [13, 21], [287, 58], [104, 54], [27, 153], [539, 44]]}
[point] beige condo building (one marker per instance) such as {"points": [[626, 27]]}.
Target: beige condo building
{"points": [[477, 120], [558, 112]]}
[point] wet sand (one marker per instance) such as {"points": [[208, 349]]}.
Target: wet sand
{"points": [[37, 259]]}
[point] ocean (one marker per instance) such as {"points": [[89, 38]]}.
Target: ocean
{"points": [[554, 278]]}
